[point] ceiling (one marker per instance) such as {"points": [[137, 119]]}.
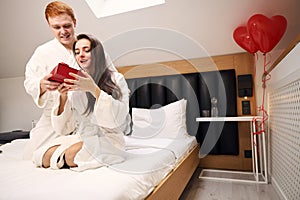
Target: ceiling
{"points": [[174, 30]]}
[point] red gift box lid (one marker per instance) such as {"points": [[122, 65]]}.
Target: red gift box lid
{"points": [[61, 72]]}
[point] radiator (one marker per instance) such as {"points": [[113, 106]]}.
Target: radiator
{"points": [[284, 132], [283, 96]]}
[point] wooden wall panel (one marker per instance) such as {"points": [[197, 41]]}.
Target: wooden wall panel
{"points": [[243, 63]]}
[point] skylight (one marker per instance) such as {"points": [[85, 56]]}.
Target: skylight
{"points": [[104, 8]]}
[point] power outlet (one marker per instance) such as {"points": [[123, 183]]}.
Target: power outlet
{"points": [[248, 153], [246, 108]]}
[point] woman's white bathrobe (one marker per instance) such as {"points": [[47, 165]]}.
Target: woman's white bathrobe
{"points": [[44, 59], [101, 131]]}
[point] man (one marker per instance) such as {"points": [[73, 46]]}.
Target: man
{"points": [[62, 22]]}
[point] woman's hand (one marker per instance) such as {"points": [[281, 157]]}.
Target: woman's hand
{"points": [[83, 83], [63, 90], [45, 84]]}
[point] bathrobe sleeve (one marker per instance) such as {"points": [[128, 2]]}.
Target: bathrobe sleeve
{"points": [[111, 113], [35, 71], [43, 60], [65, 123]]}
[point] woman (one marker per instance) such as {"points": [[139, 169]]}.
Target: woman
{"points": [[91, 114]]}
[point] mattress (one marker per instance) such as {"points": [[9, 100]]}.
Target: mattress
{"points": [[147, 163]]}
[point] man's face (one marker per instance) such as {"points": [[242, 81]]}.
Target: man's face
{"points": [[62, 27]]}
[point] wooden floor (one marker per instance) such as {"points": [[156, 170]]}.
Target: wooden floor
{"points": [[200, 189]]}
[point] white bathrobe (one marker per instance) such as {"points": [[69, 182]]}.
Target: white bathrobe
{"points": [[44, 59], [101, 131]]}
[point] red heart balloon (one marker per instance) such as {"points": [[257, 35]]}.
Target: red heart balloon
{"points": [[266, 32], [281, 26], [242, 38]]}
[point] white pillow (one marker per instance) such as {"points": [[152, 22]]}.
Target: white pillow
{"points": [[168, 121]]}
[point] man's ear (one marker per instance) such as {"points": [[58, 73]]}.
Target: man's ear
{"points": [[74, 21]]}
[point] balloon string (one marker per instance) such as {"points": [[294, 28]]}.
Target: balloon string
{"points": [[254, 67], [255, 61], [260, 124]]}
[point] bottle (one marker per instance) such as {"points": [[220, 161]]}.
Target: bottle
{"points": [[214, 108]]}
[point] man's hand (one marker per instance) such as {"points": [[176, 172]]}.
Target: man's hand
{"points": [[45, 84]]}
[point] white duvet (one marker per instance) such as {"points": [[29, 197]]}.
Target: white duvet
{"points": [[147, 163]]}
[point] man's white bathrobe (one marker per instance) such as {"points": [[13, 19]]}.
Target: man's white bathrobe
{"points": [[110, 115]]}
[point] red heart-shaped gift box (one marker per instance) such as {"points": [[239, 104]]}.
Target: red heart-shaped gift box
{"points": [[61, 72]]}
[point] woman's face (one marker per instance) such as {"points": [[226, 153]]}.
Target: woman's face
{"points": [[83, 54]]}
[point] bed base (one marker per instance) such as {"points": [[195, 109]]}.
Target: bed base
{"points": [[172, 186]]}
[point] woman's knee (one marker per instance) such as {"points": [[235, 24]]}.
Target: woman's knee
{"points": [[47, 156], [71, 153]]}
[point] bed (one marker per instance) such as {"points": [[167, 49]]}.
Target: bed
{"points": [[156, 167], [171, 157], [21, 180], [170, 161]]}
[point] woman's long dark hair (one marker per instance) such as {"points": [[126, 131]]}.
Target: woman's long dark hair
{"points": [[101, 74]]}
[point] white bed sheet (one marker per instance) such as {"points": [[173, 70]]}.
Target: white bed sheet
{"points": [[133, 179]]}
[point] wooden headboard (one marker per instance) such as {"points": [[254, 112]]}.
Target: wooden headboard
{"points": [[242, 63]]}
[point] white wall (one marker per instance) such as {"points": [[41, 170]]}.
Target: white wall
{"points": [[210, 23], [206, 24], [288, 66], [17, 107]]}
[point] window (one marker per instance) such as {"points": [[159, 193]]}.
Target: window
{"points": [[103, 8]]}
